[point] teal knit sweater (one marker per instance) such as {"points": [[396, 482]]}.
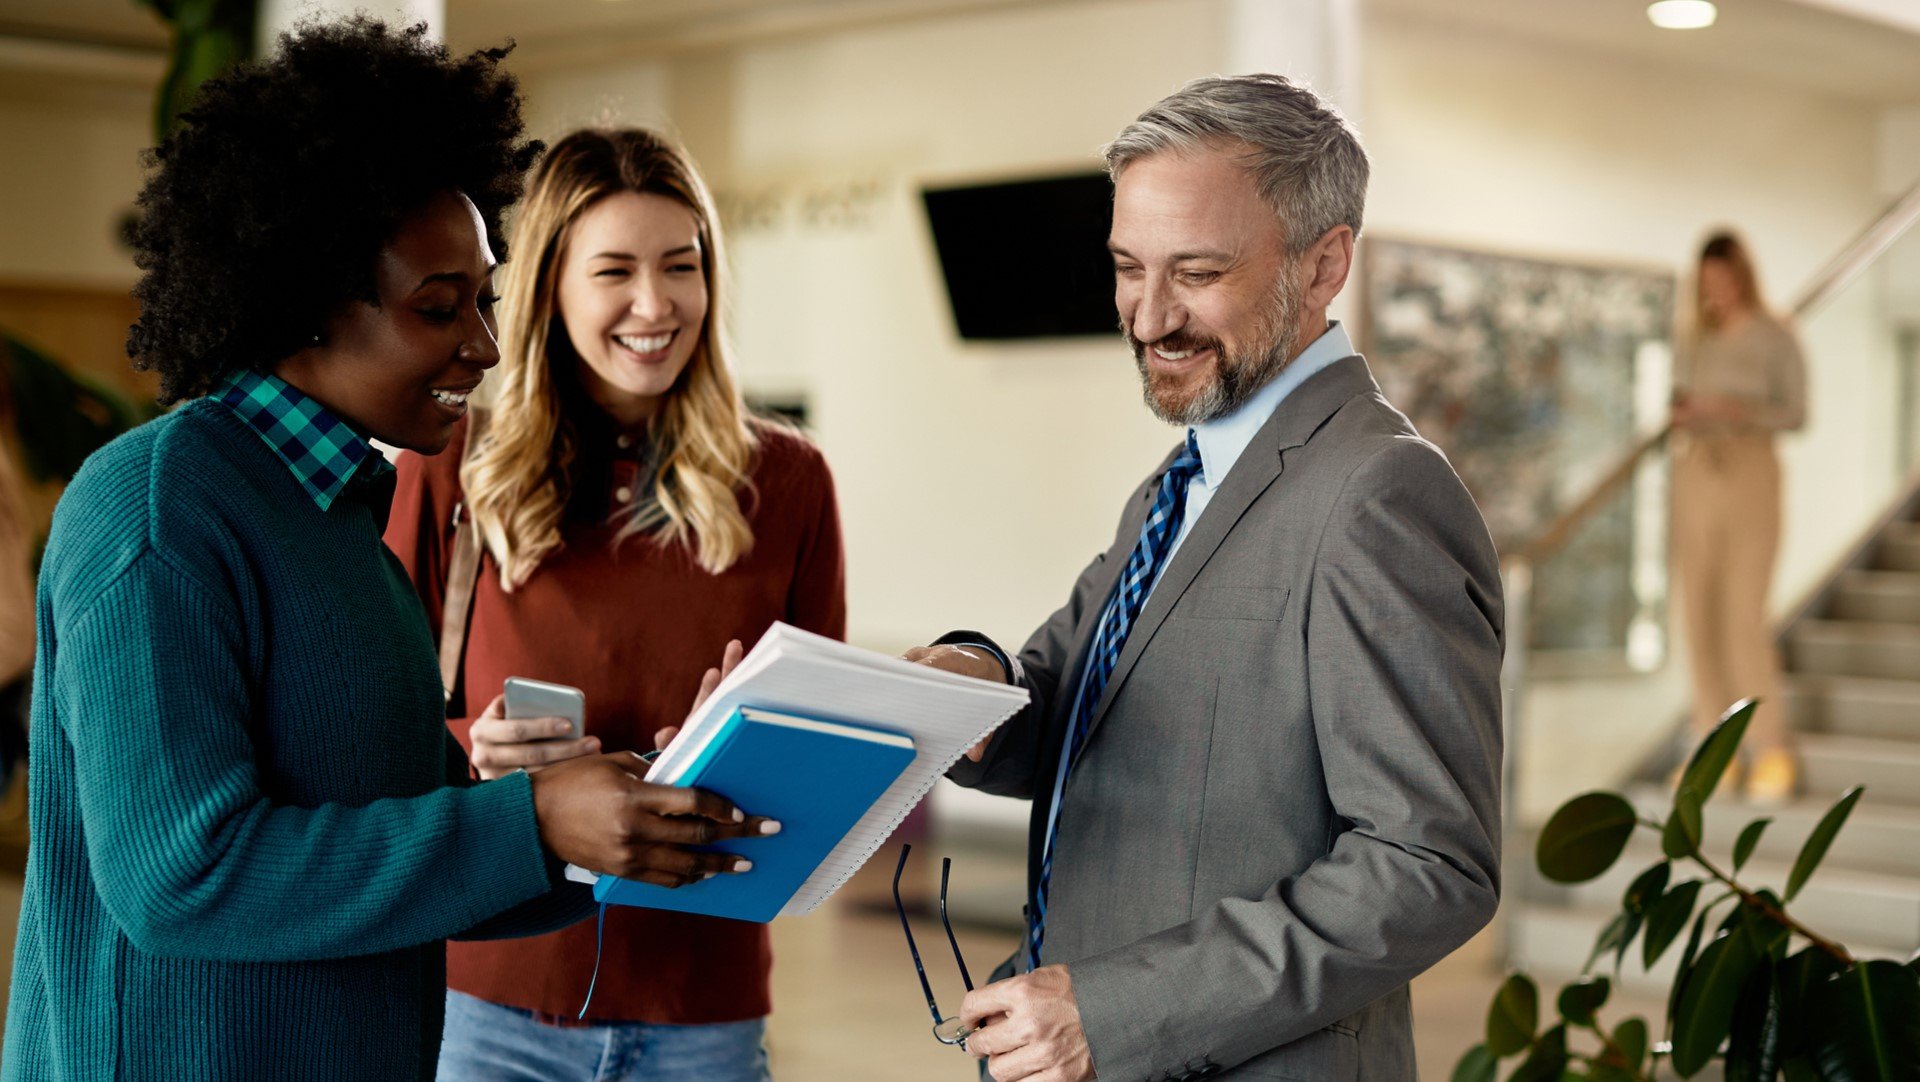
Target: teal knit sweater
{"points": [[251, 829]]}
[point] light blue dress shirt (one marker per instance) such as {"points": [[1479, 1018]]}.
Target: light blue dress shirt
{"points": [[1224, 439]]}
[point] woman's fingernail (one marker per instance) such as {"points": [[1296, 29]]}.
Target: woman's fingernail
{"points": [[739, 816], [771, 826], [743, 865]]}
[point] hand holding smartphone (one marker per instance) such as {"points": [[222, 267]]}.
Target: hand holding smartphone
{"points": [[529, 699], [531, 725]]}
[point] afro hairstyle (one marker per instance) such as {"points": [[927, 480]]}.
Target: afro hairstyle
{"points": [[264, 213]]}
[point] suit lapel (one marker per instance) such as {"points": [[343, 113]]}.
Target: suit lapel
{"points": [[1298, 417]]}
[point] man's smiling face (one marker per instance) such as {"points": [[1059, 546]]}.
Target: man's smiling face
{"points": [[1208, 298]]}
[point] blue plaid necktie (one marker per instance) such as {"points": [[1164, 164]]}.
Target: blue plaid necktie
{"points": [[1116, 620]]}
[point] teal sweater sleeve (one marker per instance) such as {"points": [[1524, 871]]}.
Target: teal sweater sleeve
{"points": [[189, 856]]}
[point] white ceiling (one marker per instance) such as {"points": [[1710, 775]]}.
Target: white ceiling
{"points": [[1860, 50], [1808, 43]]}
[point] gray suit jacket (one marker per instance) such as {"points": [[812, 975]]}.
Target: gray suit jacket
{"points": [[1288, 805]]}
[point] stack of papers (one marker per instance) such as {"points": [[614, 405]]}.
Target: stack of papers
{"points": [[791, 671]]}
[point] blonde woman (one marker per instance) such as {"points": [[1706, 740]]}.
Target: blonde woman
{"points": [[1742, 382], [634, 519]]}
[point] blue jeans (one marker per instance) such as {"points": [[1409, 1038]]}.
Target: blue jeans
{"points": [[486, 1042]]}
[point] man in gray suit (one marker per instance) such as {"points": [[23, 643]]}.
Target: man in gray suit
{"points": [[1263, 747]]}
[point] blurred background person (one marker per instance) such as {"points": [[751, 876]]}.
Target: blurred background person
{"points": [[1741, 381], [635, 518], [251, 830]]}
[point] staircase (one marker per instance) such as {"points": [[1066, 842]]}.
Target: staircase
{"points": [[1852, 658]]}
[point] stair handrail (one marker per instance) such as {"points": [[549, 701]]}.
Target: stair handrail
{"points": [[1883, 233]]}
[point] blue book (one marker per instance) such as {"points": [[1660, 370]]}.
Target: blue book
{"points": [[818, 778]]}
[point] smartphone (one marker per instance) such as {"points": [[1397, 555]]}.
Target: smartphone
{"points": [[538, 699]]}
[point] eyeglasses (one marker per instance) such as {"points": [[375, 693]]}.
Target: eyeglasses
{"points": [[945, 1030]]}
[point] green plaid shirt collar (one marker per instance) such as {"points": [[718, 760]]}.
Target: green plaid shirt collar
{"points": [[317, 446]]}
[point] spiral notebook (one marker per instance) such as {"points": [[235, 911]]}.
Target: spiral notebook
{"points": [[797, 673]]}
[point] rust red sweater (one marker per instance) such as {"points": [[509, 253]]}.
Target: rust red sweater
{"points": [[634, 626]]}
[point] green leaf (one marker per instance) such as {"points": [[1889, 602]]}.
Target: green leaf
{"points": [[1753, 1042], [1681, 837], [1513, 1017], [1822, 837], [1706, 1006], [1769, 935], [1585, 837], [1630, 1037], [1614, 937], [1749, 838], [1547, 1061], [1868, 1024], [1646, 889], [1687, 956], [1800, 981], [1710, 759], [1579, 1000], [1664, 922], [1478, 1065]]}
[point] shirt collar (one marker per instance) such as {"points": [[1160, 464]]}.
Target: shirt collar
{"points": [[323, 453], [1223, 439]]}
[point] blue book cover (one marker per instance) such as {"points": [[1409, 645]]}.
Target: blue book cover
{"points": [[816, 777]]}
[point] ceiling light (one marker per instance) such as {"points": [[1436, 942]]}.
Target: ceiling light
{"points": [[1681, 14]]}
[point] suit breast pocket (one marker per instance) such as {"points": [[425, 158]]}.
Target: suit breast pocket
{"points": [[1257, 603]]}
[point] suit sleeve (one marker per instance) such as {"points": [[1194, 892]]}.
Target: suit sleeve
{"points": [[1014, 754], [1404, 634]]}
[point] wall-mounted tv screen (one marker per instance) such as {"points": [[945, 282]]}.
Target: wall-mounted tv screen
{"points": [[1027, 259]]}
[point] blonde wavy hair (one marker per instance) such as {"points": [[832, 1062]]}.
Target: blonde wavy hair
{"points": [[517, 480]]}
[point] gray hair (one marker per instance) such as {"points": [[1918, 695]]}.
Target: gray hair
{"points": [[1304, 156]]}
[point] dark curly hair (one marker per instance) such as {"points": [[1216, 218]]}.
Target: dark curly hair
{"points": [[265, 211]]}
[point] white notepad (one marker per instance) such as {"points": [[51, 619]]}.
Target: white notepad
{"points": [[798, 672]]}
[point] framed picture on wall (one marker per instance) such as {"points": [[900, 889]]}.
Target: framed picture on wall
{"points": [[1534, 375]]}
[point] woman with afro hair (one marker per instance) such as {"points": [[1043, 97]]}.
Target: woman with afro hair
{"points": [[252, 832]]}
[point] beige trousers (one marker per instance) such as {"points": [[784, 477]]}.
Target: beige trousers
{"points": [[1726, 530]]}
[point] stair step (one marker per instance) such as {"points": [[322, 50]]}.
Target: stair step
{"points": [[1857, 908], [1880, 596], [1890, 769], [1552, 942], [1878, 837], [1855, 648], [1854, 706], [1899, 548]]}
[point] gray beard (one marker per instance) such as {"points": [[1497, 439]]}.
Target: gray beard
{"points": [[1236, 377]]}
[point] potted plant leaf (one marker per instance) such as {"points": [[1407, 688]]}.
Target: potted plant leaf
{"points": [[1756, 990]]}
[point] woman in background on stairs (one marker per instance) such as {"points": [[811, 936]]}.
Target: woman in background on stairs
{"points": [[1741, 381], [635, 519]]}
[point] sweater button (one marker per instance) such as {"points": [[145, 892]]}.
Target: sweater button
{"points": [[623, 494], [623, 442]]}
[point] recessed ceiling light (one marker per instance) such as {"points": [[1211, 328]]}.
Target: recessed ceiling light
{"points": [[1681, 14]]}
